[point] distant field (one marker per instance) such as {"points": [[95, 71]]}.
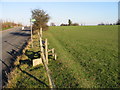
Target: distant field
{"points": [[6, 28], [87, 56]]}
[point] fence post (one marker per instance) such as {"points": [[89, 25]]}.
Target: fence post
{"points": [[46, 51], [55, 56], [31, 34], [44, 61], [41, 32], [41, 48], [53, 51]]}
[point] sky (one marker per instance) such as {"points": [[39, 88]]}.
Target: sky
{"points": [[88, 13], [59, 0]]}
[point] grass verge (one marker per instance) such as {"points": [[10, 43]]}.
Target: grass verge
{"points": [[24, 75], [6, 28]]}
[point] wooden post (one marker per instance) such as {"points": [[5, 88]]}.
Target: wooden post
{"points": [[55, 57], [46, 51], [41, 48], [40, 43], [41, 32], [45, 65], [53, 51], [31, 34]]}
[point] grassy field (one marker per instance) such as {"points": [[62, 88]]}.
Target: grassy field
{"points": [[6, 28], [87, 56]]}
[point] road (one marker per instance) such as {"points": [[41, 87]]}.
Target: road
{"points": [[12, 42]]}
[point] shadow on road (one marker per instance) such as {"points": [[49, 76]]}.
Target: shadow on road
{"points": [[20, 34], [12, 44], [14, 53], [5, 64], [26, 30], [4, 72]]}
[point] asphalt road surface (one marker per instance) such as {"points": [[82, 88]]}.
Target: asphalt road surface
{"points": [[13, 41]]}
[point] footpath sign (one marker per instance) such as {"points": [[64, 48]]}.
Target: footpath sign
{"points": [[33, 20]]}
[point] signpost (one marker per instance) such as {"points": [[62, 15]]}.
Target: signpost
{"points": [[32, 21]]}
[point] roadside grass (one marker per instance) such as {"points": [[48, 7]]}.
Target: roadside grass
{"points": [[87, 56], [6, 28], [24, 75]]}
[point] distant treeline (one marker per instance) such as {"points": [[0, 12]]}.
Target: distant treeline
{"points": [[117, 23], [106, 24], [74, 24], [8, 24], [70, 23]]}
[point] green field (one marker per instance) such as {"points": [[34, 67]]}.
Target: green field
{"points": [[87, 56]]}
